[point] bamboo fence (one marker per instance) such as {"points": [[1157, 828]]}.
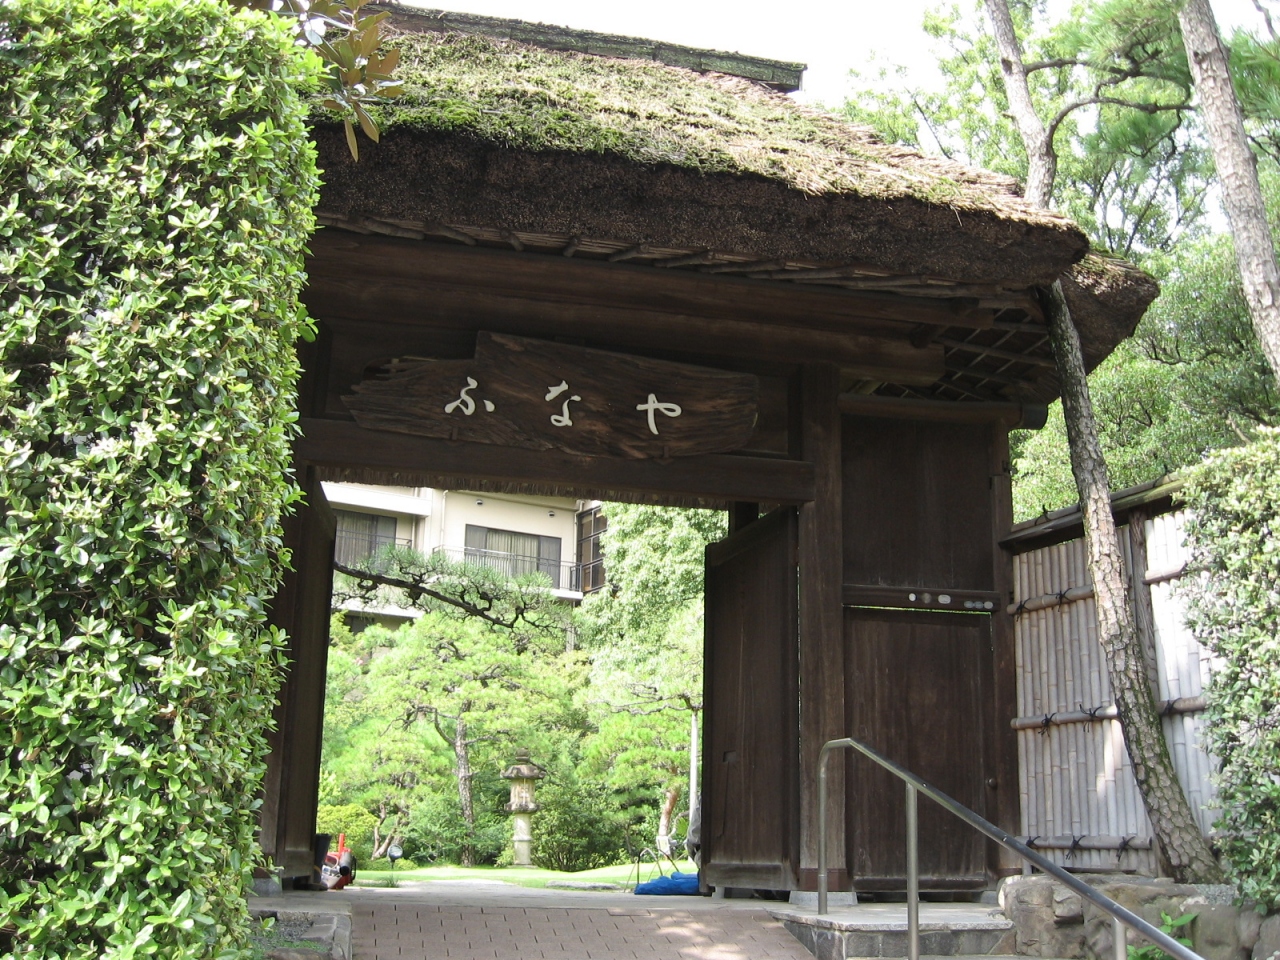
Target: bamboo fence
{"points": [[1080, 803]]}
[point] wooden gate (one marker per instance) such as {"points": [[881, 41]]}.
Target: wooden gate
{"points": [[924, 631], [921, 692], [750, 769]]}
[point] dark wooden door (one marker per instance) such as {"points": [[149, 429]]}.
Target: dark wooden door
{"points": [[287, 820], [750, 796], [916, 692]]}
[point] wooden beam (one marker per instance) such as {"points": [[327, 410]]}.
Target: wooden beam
{"points": [[982, 350], [1065, 524], [693, 292], [1003, 796], [741, 514], [955, 365], [639, 250], [342, 444], [689, 260], [821, 554], [745, 266], [622, 328], [1029, 416]]}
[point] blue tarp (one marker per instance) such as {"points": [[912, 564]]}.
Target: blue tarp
{"points": [[677, 885]]}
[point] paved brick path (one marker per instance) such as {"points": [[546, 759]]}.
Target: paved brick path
{"points": [[400, 929]]}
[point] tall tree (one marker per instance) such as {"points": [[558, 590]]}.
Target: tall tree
{"points": [[1237, 173], [488, 662], [1167, 808]]}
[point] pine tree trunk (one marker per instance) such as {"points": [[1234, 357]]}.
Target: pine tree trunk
{"points": [[462, 770], [1175, 828], [1042, 159], [1184, 849], [669, 801], [1237, 172]]}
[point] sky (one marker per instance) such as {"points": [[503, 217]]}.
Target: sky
{"points": [[831, 37]]}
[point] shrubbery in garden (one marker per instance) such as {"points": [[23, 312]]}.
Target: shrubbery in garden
{"points": [[1235, 611], [156, 189]]}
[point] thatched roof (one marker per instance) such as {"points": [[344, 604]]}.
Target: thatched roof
{"points": [[497, 141]]}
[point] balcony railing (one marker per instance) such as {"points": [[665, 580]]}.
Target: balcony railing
{"points": [[564, 575], [352, 549]]}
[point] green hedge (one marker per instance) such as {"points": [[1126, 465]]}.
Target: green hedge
{"points": [[156, 188], [1235, 611]]}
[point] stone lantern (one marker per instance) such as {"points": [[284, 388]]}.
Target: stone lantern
{"points": [[524, 775]]}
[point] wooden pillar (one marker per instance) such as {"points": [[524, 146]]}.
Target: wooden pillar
{"points": [[1003, 800], [301, 608], [821, 562]]}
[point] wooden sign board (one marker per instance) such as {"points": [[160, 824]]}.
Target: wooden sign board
{"points": [[540, 395]]}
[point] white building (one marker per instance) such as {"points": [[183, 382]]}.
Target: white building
{"points": [[514, 534]]}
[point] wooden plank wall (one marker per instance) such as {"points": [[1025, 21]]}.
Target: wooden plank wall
{"points": [[750, 763], [1075, 778]]}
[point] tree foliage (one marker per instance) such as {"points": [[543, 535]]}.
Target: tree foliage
{"points": [[1234, 611], [1111, 82], [413, 713], [645, 635], [158, 184], [399, 577], [357, 75], [420, 720], [1193, 379], [577, 828]]}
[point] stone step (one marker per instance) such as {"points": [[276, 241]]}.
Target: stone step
{"points": [[849, 934]]}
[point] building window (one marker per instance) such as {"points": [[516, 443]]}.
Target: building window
{"points": [[591, 523], [517, 554], [362, 535]]}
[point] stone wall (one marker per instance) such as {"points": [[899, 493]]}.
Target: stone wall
{"points": [[1054, 921]]}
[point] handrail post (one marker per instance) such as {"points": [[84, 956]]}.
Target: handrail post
{"points": [[1119, 940], [913, 876], [822, 828], [1121, 915], [822, 818]]}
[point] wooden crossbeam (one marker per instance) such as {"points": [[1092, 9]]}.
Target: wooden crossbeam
{"points": [[868, 350], [693, 293], [341, 444]]}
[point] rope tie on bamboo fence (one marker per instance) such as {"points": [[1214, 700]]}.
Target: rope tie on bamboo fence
{"points": [[1031, 841], [1090, 712], [1075, 846], [1124, 845], [1046, 723], [1062, 595], [1021, 607], [1169, 710]]}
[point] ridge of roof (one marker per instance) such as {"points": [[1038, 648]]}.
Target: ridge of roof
{"points": [[782, 75]]}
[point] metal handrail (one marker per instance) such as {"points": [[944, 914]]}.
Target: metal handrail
{"points": [[916, 785]]}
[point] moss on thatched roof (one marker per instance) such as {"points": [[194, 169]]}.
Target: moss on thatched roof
{"points": [[539, 100]]}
